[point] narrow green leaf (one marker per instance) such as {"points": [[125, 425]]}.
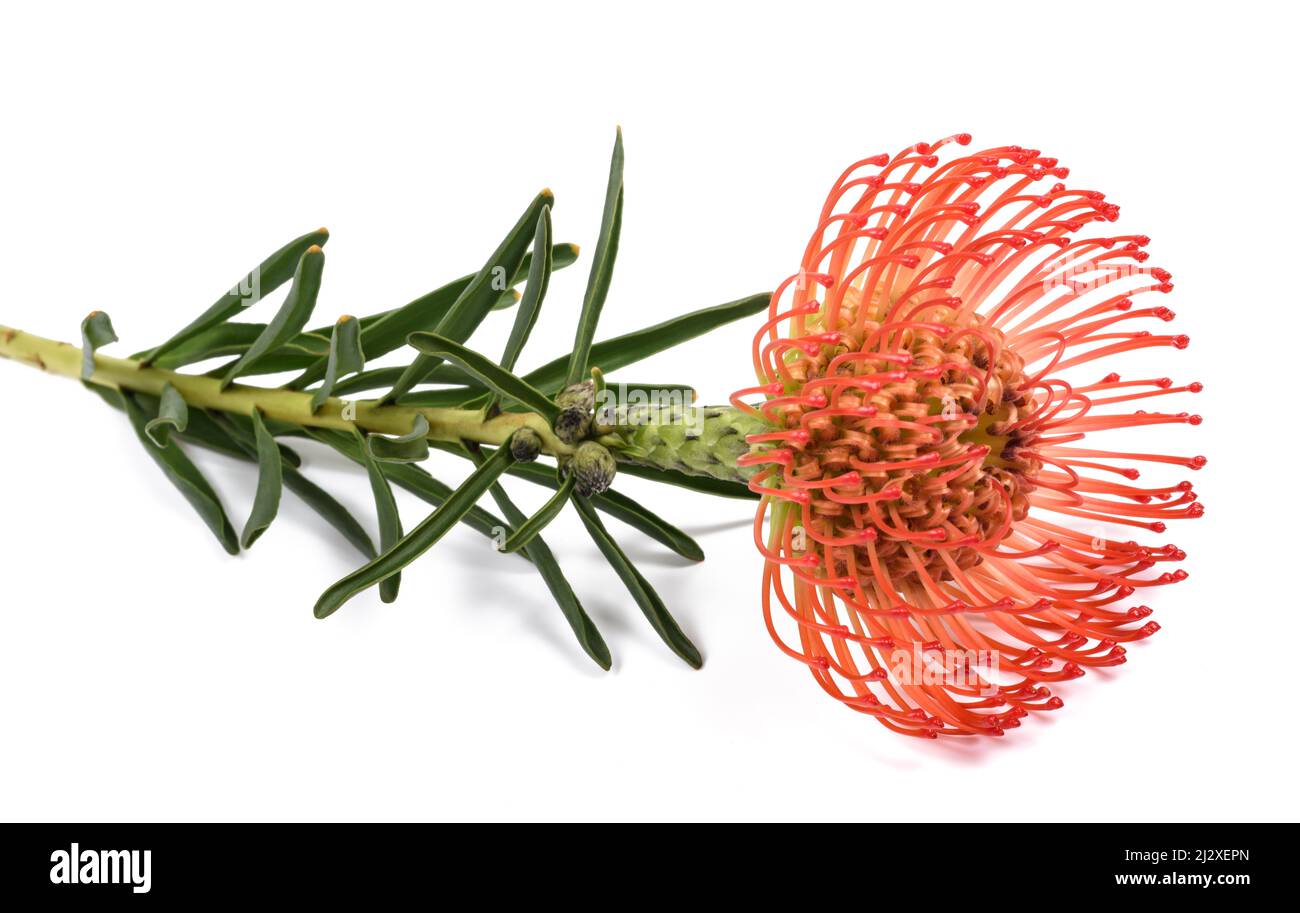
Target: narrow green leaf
{"points": [[235, 339], [315, 497], [584, 629], [236, 433], [624, 350], [201, 430], [390, 521], [374, 379], [172, 413], [528, 531], [508, 299], [381, 378], [651, 605], [268, 276], [602, 268], [485, 370], [617, 505], [412, 447], [476, 301], [290, 319], [539, 277], [703, 484], [383, 332], [308, 344], [420, 539], [302, 351], [345, 357], [415, 480], [96, 331], [329, 508], [187, 478], [230, 338], [270, 484], [621, 507], [366, 323]]}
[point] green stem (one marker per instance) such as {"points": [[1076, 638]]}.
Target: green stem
{"points": [[705, 442], [452, 425]]}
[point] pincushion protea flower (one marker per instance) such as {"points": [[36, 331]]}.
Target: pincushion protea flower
{"points": [[916, 442], [934, 379]]}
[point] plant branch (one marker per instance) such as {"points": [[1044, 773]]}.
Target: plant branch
{"points": [[293, 407]]}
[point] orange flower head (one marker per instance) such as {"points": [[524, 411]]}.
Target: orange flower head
{"points": [[943, 542]]}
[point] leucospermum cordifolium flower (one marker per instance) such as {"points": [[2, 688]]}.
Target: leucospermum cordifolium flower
{"points": [[943, 476], [915, 440]]}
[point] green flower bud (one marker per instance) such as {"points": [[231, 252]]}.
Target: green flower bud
{"points": [[581, 395], [593, 468], [525, 445], [573, 424], [577, 403]]}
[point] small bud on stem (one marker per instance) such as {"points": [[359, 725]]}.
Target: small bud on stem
{"points": [[525, 445], [593, 467]]}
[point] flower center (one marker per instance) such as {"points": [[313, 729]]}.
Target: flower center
{"points": [[919, 433]]}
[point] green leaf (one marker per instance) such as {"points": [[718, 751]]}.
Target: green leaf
{"points": [[383, 332], [315, 497], [539, 277], [172, 412], [268, 276], [346, 357], [526, 532], [235, 339], [304, 350], [270, 483], [602, 268], [509, 298], [366, 323], [236, 433], [621, 507], [380, 378], [485, 370], [703, 484], [617, 505], [308, 344], [415, 480], [624, 350], [187, 478], [584, 629], [412, 447], [474, 303], [390, 521], [419, 540], [96, 331], [231, 338], [329, 508], [290, 319], [201, 431], [651, 605], [374, 379]]}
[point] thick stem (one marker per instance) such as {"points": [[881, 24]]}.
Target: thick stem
{"points": [[290, 406]]}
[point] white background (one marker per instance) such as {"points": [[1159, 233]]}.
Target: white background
{"points": [[152, 153]]}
